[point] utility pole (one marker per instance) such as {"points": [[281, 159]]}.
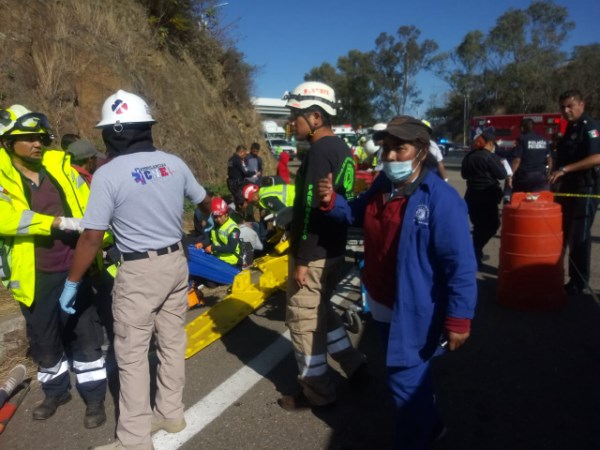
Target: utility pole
{"points": [[465, 116]]}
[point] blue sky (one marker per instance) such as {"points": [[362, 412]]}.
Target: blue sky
{"points": [[284, 39]]}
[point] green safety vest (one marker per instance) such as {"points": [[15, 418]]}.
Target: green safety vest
{"points": [[285, 193], [221, 236]]}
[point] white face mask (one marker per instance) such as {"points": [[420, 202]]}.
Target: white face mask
{"points": [[398, 171]]}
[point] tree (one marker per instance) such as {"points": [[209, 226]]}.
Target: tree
{"points": [[512, 69], [353, 85], [397, 61], [581, 72]]}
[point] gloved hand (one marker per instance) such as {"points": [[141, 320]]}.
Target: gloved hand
{"points": [[70, 224], [67, 298]]}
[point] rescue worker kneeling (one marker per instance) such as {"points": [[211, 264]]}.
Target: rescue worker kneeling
{"points": [[225, 241], [271, 199]]}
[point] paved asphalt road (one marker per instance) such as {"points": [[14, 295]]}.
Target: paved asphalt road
{"points": [[524, 381]]}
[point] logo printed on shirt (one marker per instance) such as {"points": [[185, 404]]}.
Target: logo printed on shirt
{"points": [[422, 215], [146, 174], [593, 134]]}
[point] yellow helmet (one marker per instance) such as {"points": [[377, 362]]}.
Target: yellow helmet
{"points": [[18, 120]]}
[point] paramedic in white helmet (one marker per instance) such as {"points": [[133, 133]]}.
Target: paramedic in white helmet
{"points": [[139, 194], [318, 246]]}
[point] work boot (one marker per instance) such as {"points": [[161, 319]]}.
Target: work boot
{"points": [[169, 425], [49, 405], [299, 401], [94, 415], [360, 378]]}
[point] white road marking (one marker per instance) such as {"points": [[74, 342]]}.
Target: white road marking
{"points": [[226, 394]]}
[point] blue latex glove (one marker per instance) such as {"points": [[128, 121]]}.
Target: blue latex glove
{"points": [[67, 298]]}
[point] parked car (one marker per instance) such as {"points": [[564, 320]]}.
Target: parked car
{"points": [[286, 146], [447, 146]]}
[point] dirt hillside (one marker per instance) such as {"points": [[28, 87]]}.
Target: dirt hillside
{"points": [[65, 57]]}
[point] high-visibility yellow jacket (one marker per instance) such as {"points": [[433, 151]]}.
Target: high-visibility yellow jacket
{"points": [[284, 193], [19, 224], [221, 237]]}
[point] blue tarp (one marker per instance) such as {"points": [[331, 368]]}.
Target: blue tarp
{"points": [[201, 264]]}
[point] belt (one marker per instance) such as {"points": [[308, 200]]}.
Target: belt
{"points": [[133, 256]]}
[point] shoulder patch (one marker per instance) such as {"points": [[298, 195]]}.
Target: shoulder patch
{"points": [[593, 134]]}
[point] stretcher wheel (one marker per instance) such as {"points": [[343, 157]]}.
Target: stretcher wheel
{"points": [[352, 321]]}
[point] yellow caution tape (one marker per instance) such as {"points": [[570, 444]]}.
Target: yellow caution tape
{"points": [[561, 194]]}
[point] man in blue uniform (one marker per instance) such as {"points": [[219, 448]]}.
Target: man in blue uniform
{"points": [[578, 160], [531, 156]]}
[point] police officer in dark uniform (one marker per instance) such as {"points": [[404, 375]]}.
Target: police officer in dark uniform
{"points": [[530, 157], [483, 170], [578, 161]]}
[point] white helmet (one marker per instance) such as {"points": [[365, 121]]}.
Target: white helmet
{"points": [[312, 93], [124, 107], [370, 147], [379, 126]]}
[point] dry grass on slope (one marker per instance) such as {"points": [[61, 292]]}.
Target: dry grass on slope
{"points": [[67, 56]]}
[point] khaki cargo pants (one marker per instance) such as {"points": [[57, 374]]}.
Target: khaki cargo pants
{"points": [[149, 297], [317, 330]]}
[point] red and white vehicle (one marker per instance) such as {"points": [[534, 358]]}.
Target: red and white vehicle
{"points": [[506, 127]]}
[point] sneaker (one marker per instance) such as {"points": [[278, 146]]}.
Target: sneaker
{"points": [[299, 401], [49, 405], [169, 425], [94, 415]]}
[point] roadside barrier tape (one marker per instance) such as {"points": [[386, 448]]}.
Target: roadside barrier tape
{"points": [[559, 194]]}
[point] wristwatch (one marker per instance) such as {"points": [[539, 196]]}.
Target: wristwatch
{"points": [[562, 169]]}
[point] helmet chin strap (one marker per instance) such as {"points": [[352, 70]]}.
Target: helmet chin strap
{"points": [[312, 129]]}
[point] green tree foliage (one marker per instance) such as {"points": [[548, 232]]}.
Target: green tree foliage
{"points": [[353, 84], [582, 72], [398, 60], [513, 68]]}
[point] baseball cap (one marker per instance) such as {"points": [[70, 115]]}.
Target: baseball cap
{"points": [[487, 134], [82, 149], [406, 128]]}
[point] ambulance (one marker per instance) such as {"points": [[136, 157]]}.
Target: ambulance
{"points": [[347, 133]]}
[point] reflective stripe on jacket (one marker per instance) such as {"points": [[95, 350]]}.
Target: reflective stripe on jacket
{"points": [[285, 193], [19, 225], [222, 235]]}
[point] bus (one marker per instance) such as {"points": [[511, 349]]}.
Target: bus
{"points": [[507, 127]]}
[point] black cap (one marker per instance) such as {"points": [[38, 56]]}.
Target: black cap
{"points": [[406, 128], [487, 134]]}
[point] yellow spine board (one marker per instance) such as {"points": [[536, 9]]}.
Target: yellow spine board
{"points": [[246, 296]]}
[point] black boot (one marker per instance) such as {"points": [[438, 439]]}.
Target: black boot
{"points": [[94, 415], [48, 407]]}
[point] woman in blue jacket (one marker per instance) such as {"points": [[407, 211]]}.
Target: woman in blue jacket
{"points": [[416, 234]]}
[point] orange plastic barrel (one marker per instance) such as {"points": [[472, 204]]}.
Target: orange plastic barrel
{"points": [[531, 271]]}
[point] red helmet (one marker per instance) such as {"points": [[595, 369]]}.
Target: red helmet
{"points": [[249, 190], [218, 207]]}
